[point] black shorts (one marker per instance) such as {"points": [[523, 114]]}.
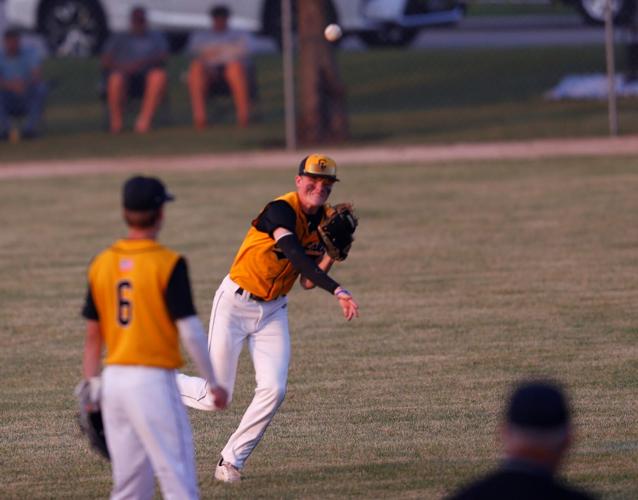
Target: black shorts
{"points": [[217, 84], [136, 84]]}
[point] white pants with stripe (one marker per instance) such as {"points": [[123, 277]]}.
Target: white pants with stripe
{"points": [[235, 318], [148, 433]]}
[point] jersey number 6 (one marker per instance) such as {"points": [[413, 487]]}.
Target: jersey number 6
{"points": [[124, 306]]}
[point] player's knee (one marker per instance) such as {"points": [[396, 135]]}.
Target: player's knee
{"points": [[280, 394], [274, 393]]}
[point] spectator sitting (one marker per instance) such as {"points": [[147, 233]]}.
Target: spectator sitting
{"points": [[22, 90], [135, 64], [536, 435], [219, 53]]}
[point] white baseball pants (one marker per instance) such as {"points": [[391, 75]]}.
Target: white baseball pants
{"points": [[147, 429], [236, 318]]}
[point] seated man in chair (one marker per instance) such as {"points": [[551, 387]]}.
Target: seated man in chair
{"points": [[220, 56], [22, 90], [135, 65]]}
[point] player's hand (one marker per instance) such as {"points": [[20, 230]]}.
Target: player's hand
{"points": [[348, 305], [220, 397]]}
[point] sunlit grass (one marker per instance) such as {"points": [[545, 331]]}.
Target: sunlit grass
{"points": [[470, 276]]}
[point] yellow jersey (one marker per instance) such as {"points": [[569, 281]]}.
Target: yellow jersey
{"points": [[260, 267], [129, 295]]}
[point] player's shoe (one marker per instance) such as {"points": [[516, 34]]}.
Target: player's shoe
{"points": [[227, 472]]}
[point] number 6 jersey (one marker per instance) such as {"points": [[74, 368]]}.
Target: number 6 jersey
{"points": [[137, 290]]}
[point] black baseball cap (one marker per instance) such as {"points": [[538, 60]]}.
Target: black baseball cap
{"points": [[318, 165], [538, 405], [144, 193]]}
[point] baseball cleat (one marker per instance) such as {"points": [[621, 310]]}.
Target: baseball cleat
{"points": [[227, 472]]}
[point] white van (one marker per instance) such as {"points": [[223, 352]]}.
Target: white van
{"points": [[81, 26]]}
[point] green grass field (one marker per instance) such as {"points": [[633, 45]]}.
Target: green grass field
{"points": [[394, 97], [470, 277]]}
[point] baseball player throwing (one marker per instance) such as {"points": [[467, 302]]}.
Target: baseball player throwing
{"points": [[251, 304], [138, 300]]}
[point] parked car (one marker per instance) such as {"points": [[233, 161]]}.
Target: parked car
{"points": [[593, 11], [81, 26]]}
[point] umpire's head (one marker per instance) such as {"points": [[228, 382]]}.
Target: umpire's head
{"points": [[143, 199], [537, 423]]}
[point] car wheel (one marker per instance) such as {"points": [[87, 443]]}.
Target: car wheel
{"points": [[593, 11], [391, 36], [73, 27]]}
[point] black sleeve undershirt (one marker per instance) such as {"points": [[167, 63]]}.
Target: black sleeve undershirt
{"points": [[89, 311], [295, 253], [277, 213], [179, 299]]}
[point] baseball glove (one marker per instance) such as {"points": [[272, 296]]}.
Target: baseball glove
{"points": [[337, 229], [89, 419]]}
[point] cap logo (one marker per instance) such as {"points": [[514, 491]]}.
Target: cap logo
{"points": [[318, 165]]}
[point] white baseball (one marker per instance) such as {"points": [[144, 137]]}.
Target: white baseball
{"points": [[332, 32]]}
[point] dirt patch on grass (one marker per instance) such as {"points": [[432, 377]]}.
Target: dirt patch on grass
{"points": [[546, 148]]}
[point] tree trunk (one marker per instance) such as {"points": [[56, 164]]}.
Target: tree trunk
{"points": [[323, 113]]}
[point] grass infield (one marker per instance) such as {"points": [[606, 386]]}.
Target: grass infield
{"points": [[470, 277]]}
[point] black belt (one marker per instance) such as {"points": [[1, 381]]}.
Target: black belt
{"points": [[240, 291]]}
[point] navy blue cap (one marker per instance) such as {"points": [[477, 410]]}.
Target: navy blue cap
{"points": [[538, 405], [144, 193]]}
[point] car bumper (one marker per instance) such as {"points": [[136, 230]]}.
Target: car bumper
{"points": [[413, 14], [431, 18]]}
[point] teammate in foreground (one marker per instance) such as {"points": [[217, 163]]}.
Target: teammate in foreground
{"points": [[138, 299], [251, 303]]}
